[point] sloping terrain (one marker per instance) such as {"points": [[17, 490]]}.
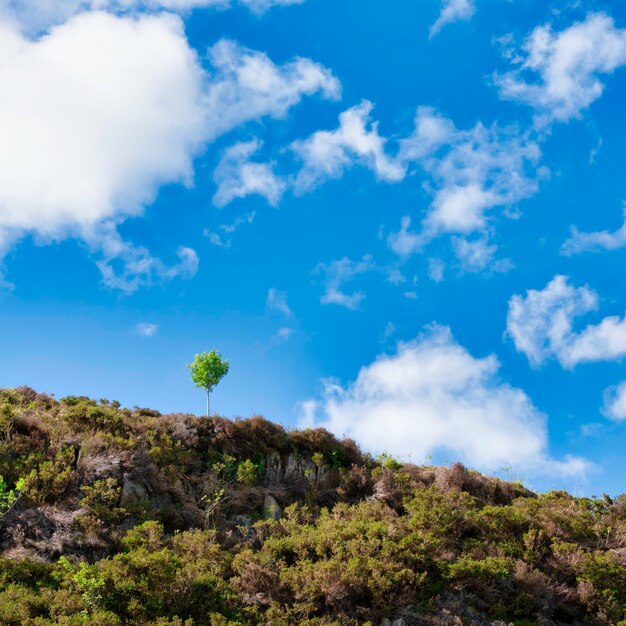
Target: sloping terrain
{"points": [[133, 517]]}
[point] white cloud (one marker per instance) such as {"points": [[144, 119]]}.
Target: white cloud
{"points": [[436, 269], [452, 11], [390, 330], [560, 73], [336, 274], [592, 242], [237, 176], [260, 6], [477, 255], [277, 301], [224, 238], [432, 131], [247, 85], [104, 110], [147, 329], [283, 334], [405, 242], [127, 267], [95, 116], [541, 326], [615, 402], [326, 154], [39, 16], [472, 172], [432, 396], [395, 276]]}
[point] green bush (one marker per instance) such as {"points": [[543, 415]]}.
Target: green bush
{"points": [[50, 479]]}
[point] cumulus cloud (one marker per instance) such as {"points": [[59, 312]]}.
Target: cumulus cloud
{"points": [[595, 241], [104, 110], [541, 324], [236, 176], [277, 301], [615, 402], [327, 154], [431, 397], [336, 274], [471, 173], [561, 73], [247, 85], [147, 329], [452, 11]]}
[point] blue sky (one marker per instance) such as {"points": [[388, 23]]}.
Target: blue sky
{"points": [[401, 222]]}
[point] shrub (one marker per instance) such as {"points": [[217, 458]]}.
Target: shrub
{"points": [[249, 473], [51, 478], [100, 500]]}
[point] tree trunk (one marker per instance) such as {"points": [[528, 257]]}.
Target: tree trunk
{"points": [[208, 391]]}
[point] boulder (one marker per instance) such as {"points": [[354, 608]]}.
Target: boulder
{"points": [[271, 508], [132, 491]]}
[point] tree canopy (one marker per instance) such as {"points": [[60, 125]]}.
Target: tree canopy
{"points": [[207, 370]]}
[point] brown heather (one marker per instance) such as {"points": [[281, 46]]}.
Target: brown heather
{"points": [[133, 517]]}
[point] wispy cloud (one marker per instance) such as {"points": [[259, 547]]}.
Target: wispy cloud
{"points": [[337, 274], [478, 255], [237, 176], [615, 402], [277, 301], [561, 73], [472, 172], [283, 334], [436, 269], [452, 11], [224, 238], [327, 154], [595, 241], [39, 16], [147, 329]]}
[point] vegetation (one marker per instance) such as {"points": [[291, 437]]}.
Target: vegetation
{"points": [[124, 516], [207, 370]]}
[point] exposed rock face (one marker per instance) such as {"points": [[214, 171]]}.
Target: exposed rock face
{"points": [[273, 468], [132, 491], [271, 508], [295, 469]]}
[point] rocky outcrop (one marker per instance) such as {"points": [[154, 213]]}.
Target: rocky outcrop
{"points": [[132, 491], [271, 508], [293, 469]]}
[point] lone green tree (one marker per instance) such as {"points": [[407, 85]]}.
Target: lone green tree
{"points": [[207, 370]]}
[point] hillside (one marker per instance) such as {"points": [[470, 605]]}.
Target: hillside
{"points": [[133, 517]]}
